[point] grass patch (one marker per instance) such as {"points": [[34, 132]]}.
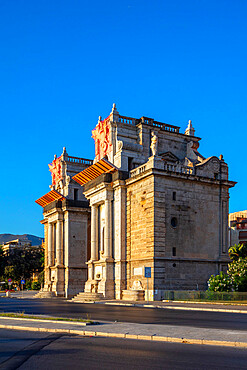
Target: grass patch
{"points": [[25, 316]]}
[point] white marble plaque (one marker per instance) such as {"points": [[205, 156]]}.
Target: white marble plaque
{"points": [[138, 271]]}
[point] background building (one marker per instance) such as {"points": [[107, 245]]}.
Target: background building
{"points": [[238, 227], [15, 244]]}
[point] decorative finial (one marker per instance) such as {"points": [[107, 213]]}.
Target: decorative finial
{"points": [[114, 108], [100, 118], [64, 150], [221, 157], [190, 130], [114, 112]]}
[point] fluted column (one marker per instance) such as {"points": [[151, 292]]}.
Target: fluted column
{"points": [[59, 245], [50, 241], [108, 229], [93, 233]]}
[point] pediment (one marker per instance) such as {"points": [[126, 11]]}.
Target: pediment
{"points": [[169, 157]]}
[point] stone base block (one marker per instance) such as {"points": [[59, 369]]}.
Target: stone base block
{"points": [[133, 295], [106, 287]]}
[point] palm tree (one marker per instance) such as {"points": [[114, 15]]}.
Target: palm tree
{"points": [[237, 251]]}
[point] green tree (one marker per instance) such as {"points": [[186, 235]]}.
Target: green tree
{"points": [[236, 277], [22, 263], [2, 262], [35, 285], [9, 272]]}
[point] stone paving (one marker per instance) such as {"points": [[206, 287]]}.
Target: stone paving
{"points": [[168, 333]]}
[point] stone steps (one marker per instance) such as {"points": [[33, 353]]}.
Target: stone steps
{"points": [[43, 294], [87, 297]]}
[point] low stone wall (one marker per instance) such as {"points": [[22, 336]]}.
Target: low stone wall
{"points": [[186, 295]]}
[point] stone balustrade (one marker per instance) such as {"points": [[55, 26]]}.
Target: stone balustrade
{"points": [[138, 170], [179, 169], [127, 120], [176, 168], [148, 121], [88, 162]]}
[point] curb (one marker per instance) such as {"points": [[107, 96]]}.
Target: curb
{"points": [[177, 307], [130, 336], [230, 303], [204, 309], [47, 320]]}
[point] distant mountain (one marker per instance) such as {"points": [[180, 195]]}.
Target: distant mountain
{"points": [[35, 240]]}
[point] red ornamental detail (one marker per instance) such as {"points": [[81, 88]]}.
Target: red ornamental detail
{"points": [[101, 135], [56, 169]]}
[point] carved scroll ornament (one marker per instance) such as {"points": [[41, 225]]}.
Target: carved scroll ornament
{"points": [[56, 170], [101, 135]]}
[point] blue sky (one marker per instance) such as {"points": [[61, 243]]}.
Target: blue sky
{"points": [[63, 63]]}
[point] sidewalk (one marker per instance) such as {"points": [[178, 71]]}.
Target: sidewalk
{"points": [[183, 305], [165, 333]]}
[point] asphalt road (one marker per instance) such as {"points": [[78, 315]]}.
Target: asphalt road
{"points": [[61, 308], [28, 351]]}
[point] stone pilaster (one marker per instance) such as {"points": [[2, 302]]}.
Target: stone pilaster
{"points": [[108, 230], [59, 243], [50, 244], [94, 225]]}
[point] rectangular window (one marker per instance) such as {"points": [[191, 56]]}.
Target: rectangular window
{"points": [[130, 163], [174, 195], [242, 235], [174, 252], [75, 194]]}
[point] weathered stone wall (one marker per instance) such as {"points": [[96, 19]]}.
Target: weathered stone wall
{"points": [[76, 245], [176, 224], [75, 279], [119, 237], [196, 210], [174, 143], [190, 232], [183, 275]]}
